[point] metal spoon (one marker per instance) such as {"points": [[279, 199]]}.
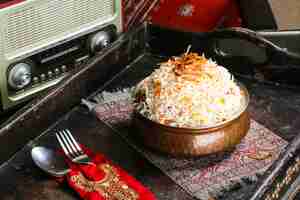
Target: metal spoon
{"points": [[49, 161]]}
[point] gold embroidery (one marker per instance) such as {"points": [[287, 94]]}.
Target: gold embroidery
{"points": [[260, 155], [111, 187]]}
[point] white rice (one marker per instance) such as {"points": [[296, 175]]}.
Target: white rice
{"points": [[213, 98]]}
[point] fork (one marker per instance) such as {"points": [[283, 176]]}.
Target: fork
{"points": [[71, 147]]}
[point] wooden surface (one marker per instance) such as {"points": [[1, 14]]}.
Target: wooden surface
{"points": [[286, 13]]}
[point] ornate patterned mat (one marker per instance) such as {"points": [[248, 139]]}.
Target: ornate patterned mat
{"points": [[202, 177]]}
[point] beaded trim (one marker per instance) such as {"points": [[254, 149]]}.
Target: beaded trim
{"points": [[294, 194], [291, 173]]}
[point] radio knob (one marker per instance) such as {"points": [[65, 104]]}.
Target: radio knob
{"points": [[43, 77], [99, 40], [19, 76], [35, 79], [56, 71], [50, 74], [64, 68]]}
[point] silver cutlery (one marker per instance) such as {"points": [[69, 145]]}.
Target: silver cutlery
{"points": [[71, 147], [50, 162]]}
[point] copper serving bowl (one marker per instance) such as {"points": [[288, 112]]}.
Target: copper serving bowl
{"points": [[194, 142]]}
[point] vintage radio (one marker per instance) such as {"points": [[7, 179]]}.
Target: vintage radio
{"points": [[41, 41]]}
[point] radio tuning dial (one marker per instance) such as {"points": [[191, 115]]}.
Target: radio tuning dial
{"points": [[99, 40], [19, 75]]}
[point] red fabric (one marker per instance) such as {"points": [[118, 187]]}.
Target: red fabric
{"points": [[196, 15], [94, 174], [233, 16], [6, 4]]}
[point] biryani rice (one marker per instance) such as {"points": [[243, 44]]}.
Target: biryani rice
{"points": [[189, 91]]}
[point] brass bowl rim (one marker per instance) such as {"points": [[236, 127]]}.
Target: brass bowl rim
{"points": [[204, 129]]}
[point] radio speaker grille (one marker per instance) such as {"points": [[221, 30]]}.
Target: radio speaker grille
{"points": [[35, 23]]}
